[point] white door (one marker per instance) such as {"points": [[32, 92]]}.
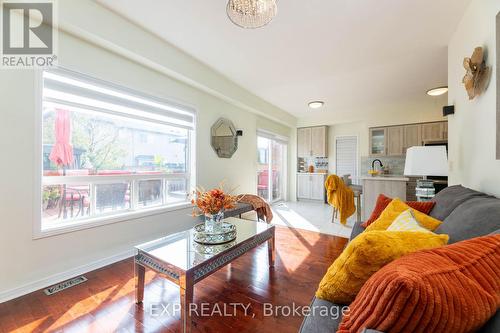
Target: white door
{"points": [[317, 187], [346, 157], [303, 187]]}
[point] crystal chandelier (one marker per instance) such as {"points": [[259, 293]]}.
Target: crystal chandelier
{"points": [[251, 13]]}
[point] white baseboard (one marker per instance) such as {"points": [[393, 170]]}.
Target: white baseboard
{"points": [[63, 276]]}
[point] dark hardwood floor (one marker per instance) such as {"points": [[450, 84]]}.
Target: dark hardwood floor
{"points": [[105, 303]]}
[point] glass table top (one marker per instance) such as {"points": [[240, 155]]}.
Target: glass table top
{"points": [[182, 251]]}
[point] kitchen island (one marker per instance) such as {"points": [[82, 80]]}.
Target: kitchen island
{"points": [[393, 186]]}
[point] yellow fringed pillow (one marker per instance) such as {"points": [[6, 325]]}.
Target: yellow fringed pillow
{"points": [[394, 209], [406, 222], [365, 255]]}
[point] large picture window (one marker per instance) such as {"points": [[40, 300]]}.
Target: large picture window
{"points": [[108, 151]]}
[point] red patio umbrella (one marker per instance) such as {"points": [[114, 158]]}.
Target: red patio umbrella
{"points": [[62, 152]]}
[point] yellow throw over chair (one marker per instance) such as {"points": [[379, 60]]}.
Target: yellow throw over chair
{"points": [[340, 197]]}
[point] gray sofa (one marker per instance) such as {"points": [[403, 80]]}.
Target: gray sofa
{"points": [[465, 214]]}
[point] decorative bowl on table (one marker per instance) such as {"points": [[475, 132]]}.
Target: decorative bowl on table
{"points": [[211, 250], [225, 234], [204, 251]]}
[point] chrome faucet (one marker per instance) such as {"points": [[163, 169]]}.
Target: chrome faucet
{"points": [[379, 161]]}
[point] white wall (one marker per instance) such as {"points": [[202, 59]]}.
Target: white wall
{"points": [[29, 263], [472, 130], [390, 113], [428, 109]]}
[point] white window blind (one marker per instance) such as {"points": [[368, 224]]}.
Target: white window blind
{"points": [[110, 153], [66, 88], [346, 156]]}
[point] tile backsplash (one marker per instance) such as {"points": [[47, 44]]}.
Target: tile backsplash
{"points": [[318, 162], [396, 164]]}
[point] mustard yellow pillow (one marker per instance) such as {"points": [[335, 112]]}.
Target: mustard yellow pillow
{"points": [[394, 209], [365, 255]]}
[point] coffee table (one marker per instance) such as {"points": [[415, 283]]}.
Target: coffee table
{"points": [[181, 260]]}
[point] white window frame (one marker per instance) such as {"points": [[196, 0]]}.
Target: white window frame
{"points": [[134, 212], [283, 140]]}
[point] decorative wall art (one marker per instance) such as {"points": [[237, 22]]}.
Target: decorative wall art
{"points": [[477, 74]]}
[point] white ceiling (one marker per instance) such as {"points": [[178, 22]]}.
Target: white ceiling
{"points": [[352, 54]]}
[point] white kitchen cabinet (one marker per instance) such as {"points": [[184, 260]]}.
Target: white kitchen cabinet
{"points": [[317, 187], [312, 141], [303, 186], [304, 142], [311, 186], [318, 141]]}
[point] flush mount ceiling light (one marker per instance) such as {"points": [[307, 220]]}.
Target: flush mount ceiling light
{"points": [[316, 104], [251, 14], [437, 91]]}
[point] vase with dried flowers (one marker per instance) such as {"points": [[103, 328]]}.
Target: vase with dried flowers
{"points": [[212, 205]]}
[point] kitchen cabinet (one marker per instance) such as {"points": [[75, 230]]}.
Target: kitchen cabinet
{"points": [[304, 142], [311, 186], [303, 186], [312, 141], [412, 136], [318, 187], [434, 131], [378, 141], [395, 141], [318, 141]]}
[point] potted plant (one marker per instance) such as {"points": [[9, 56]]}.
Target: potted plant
{"points": [[212, 205], [50, 197]]}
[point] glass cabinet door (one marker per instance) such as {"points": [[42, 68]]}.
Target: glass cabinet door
{"points": [[378, 141]]}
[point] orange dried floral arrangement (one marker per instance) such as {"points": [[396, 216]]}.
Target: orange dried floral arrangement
{"points": [[212, 202]]}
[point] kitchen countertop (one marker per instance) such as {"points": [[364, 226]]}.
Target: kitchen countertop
{"points": [[312, 173], [399, 178]]}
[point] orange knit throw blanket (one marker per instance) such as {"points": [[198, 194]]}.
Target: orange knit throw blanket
{"points": [[259, 205]]}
